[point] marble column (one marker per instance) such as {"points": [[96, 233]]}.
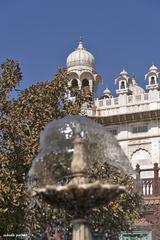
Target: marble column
{"points": [[81, 230]]}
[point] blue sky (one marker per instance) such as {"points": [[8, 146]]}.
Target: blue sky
{"points": [[41, 33]]}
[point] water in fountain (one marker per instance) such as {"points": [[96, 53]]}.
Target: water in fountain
{"points": [[53, 163]]}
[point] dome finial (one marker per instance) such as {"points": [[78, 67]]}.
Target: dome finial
{"points": [[153, 68], [80, 45], [123, 72]]}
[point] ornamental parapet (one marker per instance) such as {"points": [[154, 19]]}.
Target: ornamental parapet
{"points": [[126, 104]]}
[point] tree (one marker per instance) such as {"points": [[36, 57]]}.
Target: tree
{"points": [[21, 121]]}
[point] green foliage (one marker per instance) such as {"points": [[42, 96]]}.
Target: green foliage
{"points": [[121, 214], [9, 79], [20, 123]]}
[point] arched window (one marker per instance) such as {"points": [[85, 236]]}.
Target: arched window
{"points": [[122, 85], [152, 80], [85, 83], [143, 158], [74, 83]]}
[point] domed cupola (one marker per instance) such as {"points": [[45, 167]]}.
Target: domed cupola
{"points": [[81, 69], [80, 59], [107, 93], [134, 88]]}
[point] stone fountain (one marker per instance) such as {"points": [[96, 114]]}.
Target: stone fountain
{"points": [[60, 173]]}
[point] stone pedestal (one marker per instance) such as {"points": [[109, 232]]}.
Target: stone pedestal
{"points": [[81, 230]]}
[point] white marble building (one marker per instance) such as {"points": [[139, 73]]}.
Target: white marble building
{"points": [[133, 115]]}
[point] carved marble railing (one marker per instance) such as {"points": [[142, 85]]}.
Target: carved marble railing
{"points": [[148, 186], [130, 100], [141, 98], [127, 104], [107, 102]]}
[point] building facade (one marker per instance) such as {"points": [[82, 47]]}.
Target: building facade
{"points": [[133, 116]]}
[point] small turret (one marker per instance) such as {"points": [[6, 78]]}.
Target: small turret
{"points": [[152, 78], [122, 82]]}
